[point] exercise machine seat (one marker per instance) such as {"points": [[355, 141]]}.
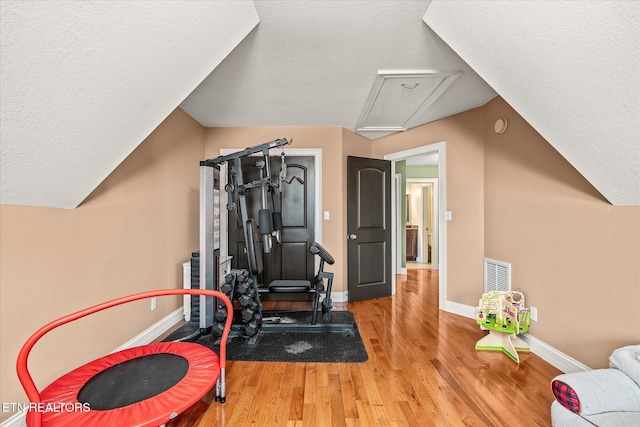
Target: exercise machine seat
{"points": [[299, 286], [290, 286], [128, 387]]}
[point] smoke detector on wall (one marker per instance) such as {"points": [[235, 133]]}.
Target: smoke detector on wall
{"points": [[398, 98]]}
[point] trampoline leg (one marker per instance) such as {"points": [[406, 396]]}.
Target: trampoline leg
{"points": [[221, 387]]}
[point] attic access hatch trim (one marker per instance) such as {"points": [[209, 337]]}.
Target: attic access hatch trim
{"points": [[399, 97]]}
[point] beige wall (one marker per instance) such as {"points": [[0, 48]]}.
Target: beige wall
{"points": [[574, 254], [515, 199], [132, 234], [463, 135]]}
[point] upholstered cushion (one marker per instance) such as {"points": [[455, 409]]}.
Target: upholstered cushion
{"points": [[600, 390], [560, 417], [616, 419], [627, 359]]}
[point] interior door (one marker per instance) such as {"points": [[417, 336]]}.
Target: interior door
{"points": [[368, 228], [290, 259]]}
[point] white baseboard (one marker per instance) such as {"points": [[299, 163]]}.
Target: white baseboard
{"points": [[547, 353], [16, 420], [553, 356], [340, 296], [154, 331], [460, 309], [403, 271], [145, 337]]}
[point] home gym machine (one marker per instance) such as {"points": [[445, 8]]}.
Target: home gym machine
{"points": [[241, 286]]}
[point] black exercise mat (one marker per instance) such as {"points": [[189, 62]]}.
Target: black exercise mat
{"points": [[279, 346]]}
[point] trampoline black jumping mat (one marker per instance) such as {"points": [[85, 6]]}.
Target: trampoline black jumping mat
{"points": [[335, 342]]}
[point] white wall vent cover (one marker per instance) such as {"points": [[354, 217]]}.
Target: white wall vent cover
{"points": [[398, 98], [497, 275]]}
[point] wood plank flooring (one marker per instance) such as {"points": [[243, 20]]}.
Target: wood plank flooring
{"points": [[423, 370]]}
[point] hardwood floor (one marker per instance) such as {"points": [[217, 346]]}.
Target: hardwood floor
{"points": [[423, 370]]}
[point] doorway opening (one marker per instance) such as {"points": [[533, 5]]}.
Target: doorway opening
{"points": [[422, 216], [399, 220]]}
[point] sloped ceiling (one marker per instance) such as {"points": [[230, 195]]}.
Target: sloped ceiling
{"points": [[313, 63], [83, 83], [571, 69]]}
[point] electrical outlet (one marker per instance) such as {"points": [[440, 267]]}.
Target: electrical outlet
{"points": [[534, 313], [153, 303]]}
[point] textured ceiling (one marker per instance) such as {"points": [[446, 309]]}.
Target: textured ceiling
{"points": [[313, 63], [571, 69], [83, 83]]}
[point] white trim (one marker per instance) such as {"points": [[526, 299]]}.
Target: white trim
{"points": [[340, 296], [154, 331], [435, 233], [19, 419], [440, 148], [395, 220], [395, 216], [566, 364], [403, 271], [448, 77], [544, 351], [143, 338], [460, 309]]}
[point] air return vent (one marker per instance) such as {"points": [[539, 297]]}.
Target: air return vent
{"points": [[497, 275], [398, 98]]}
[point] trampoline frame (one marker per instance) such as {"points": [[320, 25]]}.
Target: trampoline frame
{"points": [[32, 391]]}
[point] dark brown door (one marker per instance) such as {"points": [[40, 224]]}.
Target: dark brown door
{"points": [[368, 228], [290, 260]]}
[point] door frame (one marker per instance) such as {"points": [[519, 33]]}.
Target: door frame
{"points": [[440, 149], [433, 183], [316, 153], [395, 221]]}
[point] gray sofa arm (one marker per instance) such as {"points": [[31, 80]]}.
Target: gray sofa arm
{"points": [[597, 391]]}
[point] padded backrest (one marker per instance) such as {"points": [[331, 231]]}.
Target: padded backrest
{"points": [[317, 249]]}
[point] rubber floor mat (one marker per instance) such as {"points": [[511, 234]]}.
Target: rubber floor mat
{"points": [[343, 346]]}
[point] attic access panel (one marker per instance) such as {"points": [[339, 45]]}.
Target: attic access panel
{"points": [[398, 98]]}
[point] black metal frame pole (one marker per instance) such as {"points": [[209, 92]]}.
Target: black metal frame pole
{"points": [[261, 148]]}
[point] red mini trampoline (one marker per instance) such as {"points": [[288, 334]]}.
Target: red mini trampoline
{"points": [[141, 386]]}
